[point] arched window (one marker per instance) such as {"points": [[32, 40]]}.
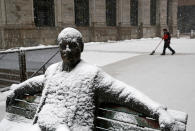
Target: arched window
{"points": [[134, 12], [81, 12], [111, 12], [153, 12], [44, 13]]}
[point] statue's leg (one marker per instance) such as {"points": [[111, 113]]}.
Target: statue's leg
{"points": [[62, 128], [80, 128]]}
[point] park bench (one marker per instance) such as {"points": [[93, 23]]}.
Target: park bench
{"points": [[109, 117]]}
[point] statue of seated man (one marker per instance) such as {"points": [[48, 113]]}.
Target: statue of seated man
{"points": [[70, 89]]}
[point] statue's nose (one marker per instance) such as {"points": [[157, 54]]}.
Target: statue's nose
{"points": [[67, 48]]}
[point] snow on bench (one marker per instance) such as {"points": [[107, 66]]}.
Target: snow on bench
{"points": [[108, 116]]}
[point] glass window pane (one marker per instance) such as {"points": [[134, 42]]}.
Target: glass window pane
{"points": [[153, 12], [44, 13], [134, 12], [82, 12], [111, 12]]}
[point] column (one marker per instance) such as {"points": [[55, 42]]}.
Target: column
{"points": [[99, 12], [173, 17], [2, 23], [2, 12], [144, 18], [58, 12], [124, 13], [67, 11], [162, 16]]}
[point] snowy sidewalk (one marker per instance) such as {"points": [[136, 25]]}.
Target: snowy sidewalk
{"points": [[104, 53], [166, 79]]}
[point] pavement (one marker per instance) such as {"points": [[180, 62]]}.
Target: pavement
{"points": [[168, 80]]}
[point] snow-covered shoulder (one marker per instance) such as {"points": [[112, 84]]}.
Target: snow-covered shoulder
{"points": [[54, 68], [85, 67]]}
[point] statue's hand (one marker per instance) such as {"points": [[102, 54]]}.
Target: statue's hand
{"points": [[10, 98], [166, 121]]}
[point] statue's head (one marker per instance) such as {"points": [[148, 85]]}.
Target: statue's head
{"points": [[71, 45]]}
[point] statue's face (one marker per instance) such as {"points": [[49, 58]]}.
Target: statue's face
{"points": [[70, 52]]}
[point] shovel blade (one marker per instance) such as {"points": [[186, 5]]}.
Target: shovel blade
{"points": [[152, 53]]}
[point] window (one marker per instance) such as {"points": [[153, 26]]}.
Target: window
{"points": [[44, 13], [81, 12], [134, 12], [111, 12], [153, 12]]}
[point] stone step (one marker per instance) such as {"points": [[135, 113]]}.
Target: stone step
{"points": [[9, 76], [6, 82], [2, 86], [9, 71], [14, 74]]}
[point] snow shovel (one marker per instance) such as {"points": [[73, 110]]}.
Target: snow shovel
{"points": [[155, 48]]}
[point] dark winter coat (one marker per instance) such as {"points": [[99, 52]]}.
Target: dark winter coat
{"points": [[167, 37]]}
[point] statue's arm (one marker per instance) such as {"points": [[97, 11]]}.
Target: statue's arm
{"points": [[30, 86], [114, 91]]}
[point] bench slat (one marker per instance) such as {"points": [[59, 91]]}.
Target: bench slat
{"points": [[121, 126], [101, 129], [128, 118], [21, 111]]}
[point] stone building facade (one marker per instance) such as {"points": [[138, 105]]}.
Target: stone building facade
{"points": [[33, 22]]}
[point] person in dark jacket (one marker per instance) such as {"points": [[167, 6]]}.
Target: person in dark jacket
{"points": [[167, 39]]}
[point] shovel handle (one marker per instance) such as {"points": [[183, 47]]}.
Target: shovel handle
{"points": [[158, 45]]}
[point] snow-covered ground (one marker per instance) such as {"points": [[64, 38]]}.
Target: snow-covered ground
{"points": [[166, 79]]}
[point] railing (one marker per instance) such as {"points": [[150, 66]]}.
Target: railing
{"points": [[43, 66], [20, 54]]}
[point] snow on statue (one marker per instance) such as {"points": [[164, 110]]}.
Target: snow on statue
{"points": [[69, 90]]}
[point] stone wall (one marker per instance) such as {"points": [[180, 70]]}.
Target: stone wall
{"points": [[17, 27], [19, 12], [28, 37], [186, 2]]}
